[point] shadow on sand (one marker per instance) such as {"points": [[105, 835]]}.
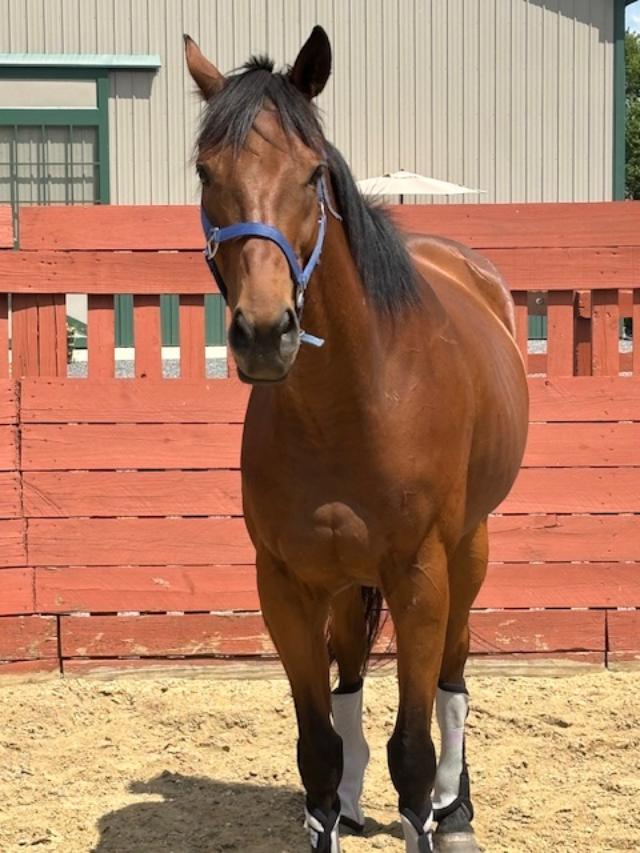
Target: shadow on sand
{"points": [[202, 815]]}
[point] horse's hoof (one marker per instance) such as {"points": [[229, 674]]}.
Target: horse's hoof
{"points": [[455, 842]]}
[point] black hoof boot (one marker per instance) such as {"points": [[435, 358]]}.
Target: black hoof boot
{"points": [[323, 830], [455, 833], [418, 835]]}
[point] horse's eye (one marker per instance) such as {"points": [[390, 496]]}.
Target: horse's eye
{"points": [[315, 175], [202, 174]]}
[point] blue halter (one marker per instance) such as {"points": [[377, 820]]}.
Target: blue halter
{"points": [[215, 236]]}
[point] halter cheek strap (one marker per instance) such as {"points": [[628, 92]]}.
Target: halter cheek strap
{"points": [[300, 275]]}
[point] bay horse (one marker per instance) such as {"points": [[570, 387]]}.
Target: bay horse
{"points": [[375, 444]]}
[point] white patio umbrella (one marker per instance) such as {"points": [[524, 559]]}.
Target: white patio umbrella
{"points": [[409, 183]]}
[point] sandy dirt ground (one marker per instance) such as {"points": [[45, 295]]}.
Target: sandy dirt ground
{"points": [[201, 765]]}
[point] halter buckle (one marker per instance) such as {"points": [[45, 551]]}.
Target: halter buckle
{"points": [[212, 245]]}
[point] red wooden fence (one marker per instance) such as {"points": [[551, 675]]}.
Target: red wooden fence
{"points": [[120, 516]]}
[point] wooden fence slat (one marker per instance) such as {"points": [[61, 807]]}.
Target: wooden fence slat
{"points": [[8, 448], [109, 494], [17, 591], [63, 447], [8, 402], [146, 323], [624, 631], [582, 334], [24, 335], [6, 227], [605, 323], [219, 401], [560, 322], [12, 543], [4, 336], [564, 538], [110, 589], [136, 541], [573, 490], [522, 324], [52, 335], [10, 503], [582, 445], [192, 338], [585, 399], [636, 333], [100, 336], [28, 637]]}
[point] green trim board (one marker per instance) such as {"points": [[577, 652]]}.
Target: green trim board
{"points": [[143, 61]]}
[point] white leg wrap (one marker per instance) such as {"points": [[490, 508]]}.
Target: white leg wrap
{"points": [[316, 832], [417, 841], [451, 710], [347, 721]]}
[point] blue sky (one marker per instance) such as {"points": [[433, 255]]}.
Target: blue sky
{"points": [[633, 16]]}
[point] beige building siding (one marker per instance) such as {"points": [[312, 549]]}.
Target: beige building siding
{"points": [[511, 96]]}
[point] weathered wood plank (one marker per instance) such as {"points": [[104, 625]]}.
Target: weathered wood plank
{"points": [[558, 538], [52, 335], [636, 325], [105, 446], [585, 398], [10, 505], [146, 323], [101, 336], [12, 543], [574, 490], [582, 445], [8, 402], [605, 333], [246, 634], [521, 226], [24, 671], [8, 448], [137, 541], [111, 589], [6, 227], [624, 631], [582, 333], [28, 637], [560, 347], [221, 401], [192, 337], [17, 591], [128, 493], [24, 334]]}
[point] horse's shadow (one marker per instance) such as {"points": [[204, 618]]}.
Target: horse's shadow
{"points": [[202, 815]]}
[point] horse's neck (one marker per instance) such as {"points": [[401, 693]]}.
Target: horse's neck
{"points": [[325, 380]]}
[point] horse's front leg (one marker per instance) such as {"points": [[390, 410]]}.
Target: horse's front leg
{"points": [[296, 617], [418, 598]]}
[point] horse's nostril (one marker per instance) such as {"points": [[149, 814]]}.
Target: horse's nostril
{"points": [[287, 323], [241, 334]]}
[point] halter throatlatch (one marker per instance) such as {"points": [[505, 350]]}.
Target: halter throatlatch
{"points": [[300, 275]]}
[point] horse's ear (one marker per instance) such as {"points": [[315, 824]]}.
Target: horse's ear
{"points": [[206, 76], [312, 67]]}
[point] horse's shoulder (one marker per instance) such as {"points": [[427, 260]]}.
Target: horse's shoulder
{"points": [[469, 268]]}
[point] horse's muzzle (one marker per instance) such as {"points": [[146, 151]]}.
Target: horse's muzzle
{"points": [[264, 352]]}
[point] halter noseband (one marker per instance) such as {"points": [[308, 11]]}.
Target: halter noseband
{"points": [[215, 235]]}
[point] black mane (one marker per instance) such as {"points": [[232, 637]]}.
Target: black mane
{"points": [[378, 250]]}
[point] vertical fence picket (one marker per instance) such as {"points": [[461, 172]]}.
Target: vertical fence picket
{"points": [[146, 333], [636, 333], [4, 336], [24, 335], [605, 333], [192, 340], [100, 336], [582, 333], [522, 325], [560, 333], [52, 335]]}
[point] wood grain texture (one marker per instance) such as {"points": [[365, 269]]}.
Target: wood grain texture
{"points": [[521, 226], [17, 591], [28, 637], [51, 447], [138, 541], [215, 401], [127, 493], [12, 543], [574, 490], [24, 334], [560, 345], [146, 325], [624, 630], [192, 337], [583, 333], [111, 589], [582, 445], [563, 538], [10, 504], [8, 402], [8, 448], [24, 671], [6, 227], [605, 333], [585, 398], [100, 336], [52, 335], [636, 325]]}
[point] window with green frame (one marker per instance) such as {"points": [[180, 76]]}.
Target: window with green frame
{"points": [[51, 153]]}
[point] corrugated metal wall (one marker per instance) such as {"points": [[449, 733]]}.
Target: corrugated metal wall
{"points": [[512, 96]]}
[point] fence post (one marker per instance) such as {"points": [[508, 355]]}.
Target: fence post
{"points": [[38, 335], [582, 333]]}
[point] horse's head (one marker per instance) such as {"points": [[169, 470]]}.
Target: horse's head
{"points": [[260, 158]]}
